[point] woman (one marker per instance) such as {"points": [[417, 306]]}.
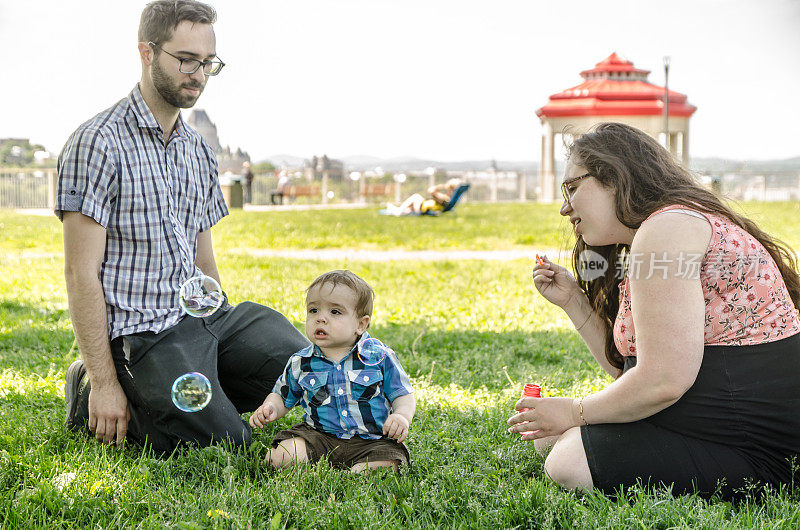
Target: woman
{"points": [[702, 334], [439, 196]]}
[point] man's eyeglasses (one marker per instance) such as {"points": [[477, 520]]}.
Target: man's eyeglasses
{"points": [[190, 66], [567, 189]]}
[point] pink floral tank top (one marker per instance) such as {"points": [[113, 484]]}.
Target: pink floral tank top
{"points": [[746, 298]]}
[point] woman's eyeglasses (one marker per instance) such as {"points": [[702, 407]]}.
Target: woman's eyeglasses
{"points": [[567, 188]]}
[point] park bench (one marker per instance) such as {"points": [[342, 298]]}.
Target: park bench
{"points": [[378, 190], [294, 191]]}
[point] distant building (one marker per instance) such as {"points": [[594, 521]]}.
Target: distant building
{"points": [[226, 159], [314, 168]]}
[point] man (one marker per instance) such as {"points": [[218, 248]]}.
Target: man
{"points": [[247, 174], [138, 193], [276, 196]]}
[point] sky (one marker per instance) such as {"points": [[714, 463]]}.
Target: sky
{"points": [[436, 79]]}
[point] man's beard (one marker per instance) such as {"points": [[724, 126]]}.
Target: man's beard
{"points": [[172, 93]]}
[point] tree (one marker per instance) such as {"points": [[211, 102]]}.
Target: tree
{"points": [[19, 152], [263, 167]]}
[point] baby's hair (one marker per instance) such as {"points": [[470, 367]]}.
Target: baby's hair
{"points": [[364, 293]]}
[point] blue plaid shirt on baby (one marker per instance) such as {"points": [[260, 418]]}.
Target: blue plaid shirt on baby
{"points": [[345, 399], [151, 198]]}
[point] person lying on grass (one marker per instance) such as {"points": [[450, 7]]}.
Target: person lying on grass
{"points": [[357, 400], [438, 197]]}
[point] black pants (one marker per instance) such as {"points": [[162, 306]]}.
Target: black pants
{"points": [[737, 425], [241, 349]]}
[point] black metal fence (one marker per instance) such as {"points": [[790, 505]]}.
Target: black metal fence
{"points": [[508, 187], [35, 188]]}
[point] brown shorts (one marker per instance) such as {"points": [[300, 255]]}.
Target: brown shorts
{"points": [[344, 453]]}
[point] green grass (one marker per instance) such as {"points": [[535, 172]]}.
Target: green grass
{"points": [[457, 344], [509, 226]]}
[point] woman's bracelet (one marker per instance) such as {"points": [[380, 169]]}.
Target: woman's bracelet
{"points": [[580, 411]]}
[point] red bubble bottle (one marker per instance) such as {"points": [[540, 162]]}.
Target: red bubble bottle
{"points": [[530, 390]]}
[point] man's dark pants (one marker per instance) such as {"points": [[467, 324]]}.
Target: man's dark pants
{"points": [[241, 349]]}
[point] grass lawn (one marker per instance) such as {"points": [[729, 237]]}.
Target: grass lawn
{"points": [[462, 345]]}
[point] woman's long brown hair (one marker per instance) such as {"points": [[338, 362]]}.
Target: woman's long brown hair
{"points": [[646, 177]]}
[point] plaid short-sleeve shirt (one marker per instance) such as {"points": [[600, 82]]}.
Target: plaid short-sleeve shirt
{"points": [[151, 198], [345, 399]]}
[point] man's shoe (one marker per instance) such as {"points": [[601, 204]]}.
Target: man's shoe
{"points": [[76, 392]]}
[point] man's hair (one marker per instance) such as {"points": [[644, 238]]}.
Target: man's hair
{"points": [[161, 17], [364, 293]]}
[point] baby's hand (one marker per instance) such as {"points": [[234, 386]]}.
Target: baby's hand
{"points": [[263, 415], [396, 426]]}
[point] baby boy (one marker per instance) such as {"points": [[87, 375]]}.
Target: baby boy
{"points": [[357, 400]]}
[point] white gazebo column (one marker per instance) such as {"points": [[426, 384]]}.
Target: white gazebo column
{"points": [[685, 146], [547, 177], [673, 144]]}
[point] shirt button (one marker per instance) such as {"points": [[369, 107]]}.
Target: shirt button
{"points": [[341, 391], [339, 367], [313, 381], [344, 413], [366, 378]]}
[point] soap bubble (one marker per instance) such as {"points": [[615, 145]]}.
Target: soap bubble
{"points": [[372, 351], [191, 392], [201, 296]]}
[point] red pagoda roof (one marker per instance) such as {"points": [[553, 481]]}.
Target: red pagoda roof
{"points": [[613, 63], [614, 87]]}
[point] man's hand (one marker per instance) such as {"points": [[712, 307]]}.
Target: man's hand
{"points": [[108, 413], [396, 426], [263, 415]]}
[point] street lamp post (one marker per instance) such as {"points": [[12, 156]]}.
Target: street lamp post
{"points": [[355, 178], [399, 178], [666, 102]]}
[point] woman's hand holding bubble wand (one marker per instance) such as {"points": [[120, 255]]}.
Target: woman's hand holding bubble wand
{"points": [[554, 282]]}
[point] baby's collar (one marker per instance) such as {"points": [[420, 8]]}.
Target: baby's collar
{"points": [[313, 349]]}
